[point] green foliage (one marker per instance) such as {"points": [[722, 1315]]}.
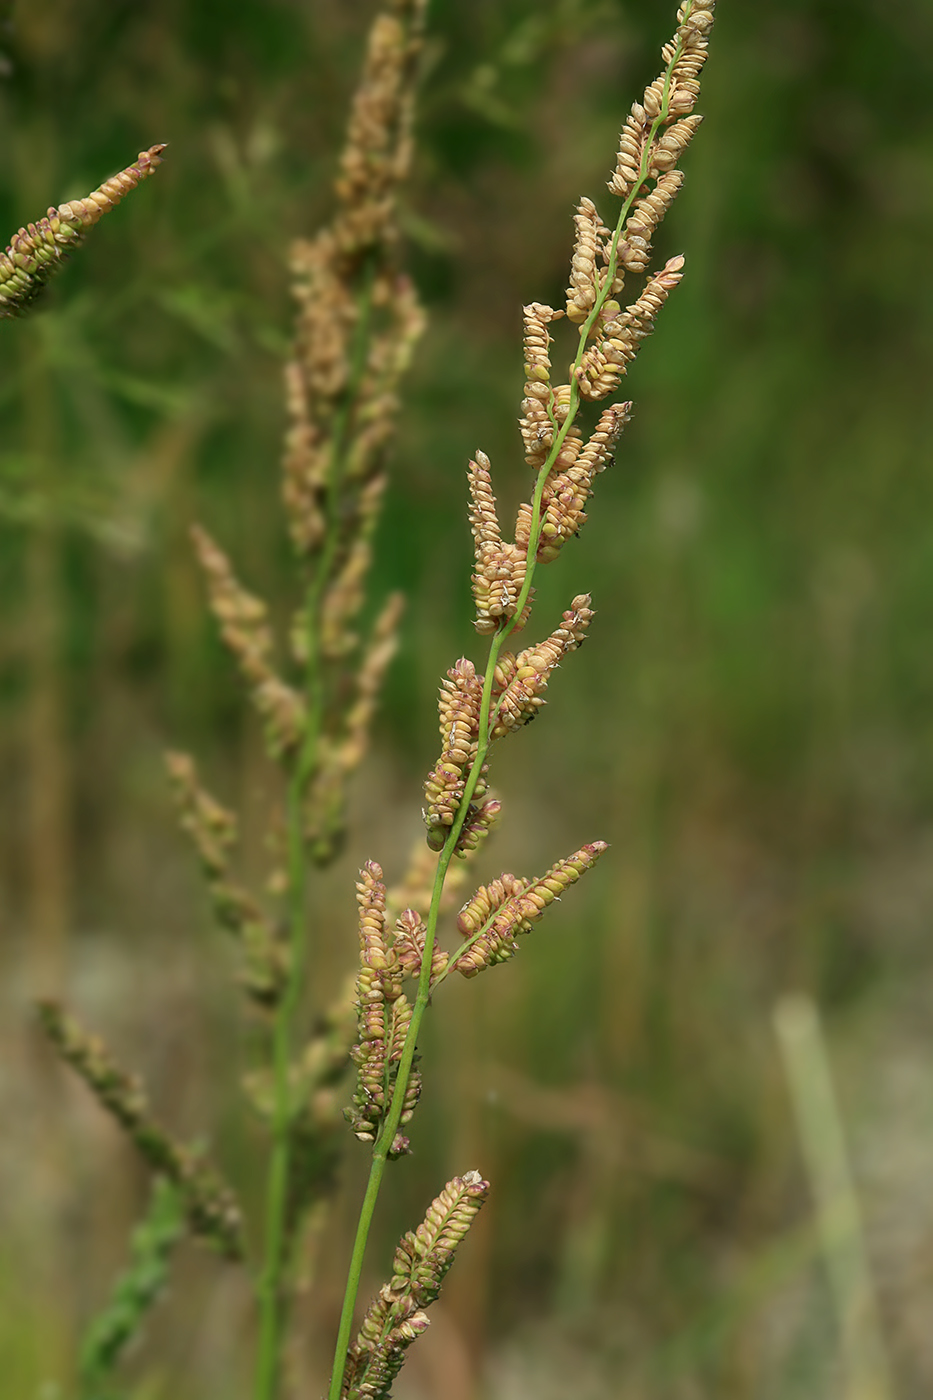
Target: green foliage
{"points": [[134, 1293]]}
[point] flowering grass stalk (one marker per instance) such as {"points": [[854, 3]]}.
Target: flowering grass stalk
{"points": [[358, 321], [475, 711]]}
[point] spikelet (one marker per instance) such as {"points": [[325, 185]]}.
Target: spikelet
{"points": [[597, 454], [670, 97], [378, 149], [340, 752], [635, 243], [520, 699], [487, 900], [378, 988], [396, 1316], [330, 273], [537, 318], [567, 489], [480, 819], [459, 707], [587, 254], [244, 629], [497, 922], [304, 466], [499, 571], [211, 1207], [346, 594], [38, 250], [379, 652], [410, 934], [604, 364], [543, 410], [390, 355], [213, 832]]}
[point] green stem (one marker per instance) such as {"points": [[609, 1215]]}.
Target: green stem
{"points": [[272, 1299], [393, 1117]]}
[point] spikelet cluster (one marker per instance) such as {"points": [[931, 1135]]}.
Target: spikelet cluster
{"points": [[459, 708], [397, 1316], [38, 250], [378, 150], [499, 571], [357, 324], [246, 632], [341, 278], [517, 697], [520, 679], [383, 1016], [656, 133], [213, 831], [499, 913], [341, 753], [603, 365], [567, 488], [658, 130], [588, 256], [410, 935], [211, 1207]]}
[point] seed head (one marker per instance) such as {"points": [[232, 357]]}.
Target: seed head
{"points": [[38, 250], [508, 908]]}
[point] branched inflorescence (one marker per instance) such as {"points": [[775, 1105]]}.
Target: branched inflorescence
{"points": [[397, 1315], [37, 251], [477, 710]]}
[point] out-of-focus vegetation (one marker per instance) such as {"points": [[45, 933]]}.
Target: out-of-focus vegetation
{"points": [[751, 726]]}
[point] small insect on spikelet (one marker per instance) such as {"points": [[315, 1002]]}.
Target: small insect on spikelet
{"points": [[37, 251]]}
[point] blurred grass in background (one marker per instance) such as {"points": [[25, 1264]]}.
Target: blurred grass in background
{"points": [[751, 726]]}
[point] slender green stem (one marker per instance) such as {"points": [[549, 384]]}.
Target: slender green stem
{"points": [[272, 1300], [393, 1116]]}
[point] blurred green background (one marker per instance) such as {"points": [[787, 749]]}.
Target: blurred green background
{"points": [[750, 726]]}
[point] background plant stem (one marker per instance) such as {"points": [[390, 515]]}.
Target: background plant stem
{"points": [[273, 1302]]}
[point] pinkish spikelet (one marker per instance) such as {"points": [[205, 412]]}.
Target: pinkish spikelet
{"points": [[515, 914]]}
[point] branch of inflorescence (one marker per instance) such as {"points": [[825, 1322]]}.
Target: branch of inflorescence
{"points": [[425, 988]]}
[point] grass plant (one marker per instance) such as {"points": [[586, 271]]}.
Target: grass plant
{"points": [[315, 689]]}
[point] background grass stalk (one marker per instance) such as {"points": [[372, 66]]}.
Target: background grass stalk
{"points": [[838, 1211], [273, 1303]]}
